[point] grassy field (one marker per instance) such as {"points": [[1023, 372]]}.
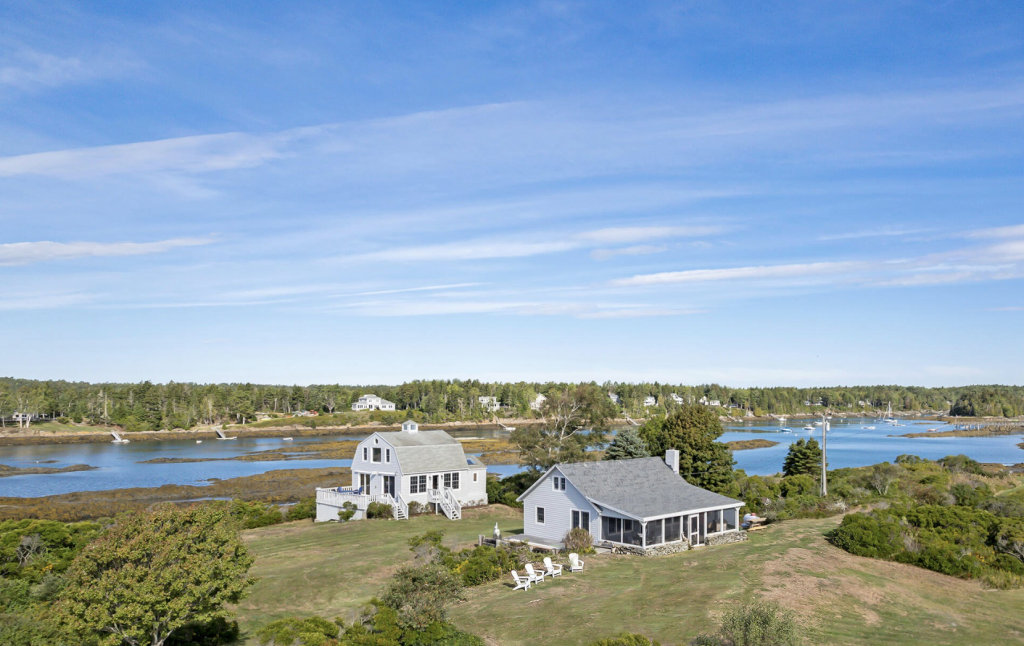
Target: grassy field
{"points": [[838, 598]]}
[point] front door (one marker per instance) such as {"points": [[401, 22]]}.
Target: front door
{"points": [[437, 484], [695, 537], [389, 485]]}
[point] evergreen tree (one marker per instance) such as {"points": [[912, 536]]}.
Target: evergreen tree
{"points": [[627, 445], [804, 457], [692, 430]]}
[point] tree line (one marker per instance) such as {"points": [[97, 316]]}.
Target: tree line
{"points": [[149, 406]]}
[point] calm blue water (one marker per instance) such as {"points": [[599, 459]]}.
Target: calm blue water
{"points": [[849, 445]]}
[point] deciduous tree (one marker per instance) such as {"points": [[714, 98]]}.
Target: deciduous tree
{"points": [[154, 573]]}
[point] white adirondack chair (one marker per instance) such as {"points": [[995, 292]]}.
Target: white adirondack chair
{"points": [[552, 569], [522, 582], [575, 564], [535, 577]]}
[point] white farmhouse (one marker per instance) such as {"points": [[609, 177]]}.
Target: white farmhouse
{"points": [[650, 401], [401, 467], [676, 398], [373, 402], [538, 402], [642, 503], [489, 403]]}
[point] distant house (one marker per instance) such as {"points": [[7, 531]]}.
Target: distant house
{"points": [[650, 401], [676, 398], [641, 502], [710, 402], [615, 398], [538, 402], [373, 402], [489, 403], [401, 467]]}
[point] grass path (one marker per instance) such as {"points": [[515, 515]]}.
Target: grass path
{"points": [[332, 570]]}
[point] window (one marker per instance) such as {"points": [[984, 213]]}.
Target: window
{"points": [[376, 454], [714, 522], [387, 455], [364, 480], [365, 454], [474, 476], [540, 515], [417, 484], [455, 481], [448, 480], [631, 532], [581, 519], [559, 483]]}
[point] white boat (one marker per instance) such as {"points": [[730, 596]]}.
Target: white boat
{"points": [[286, 439], [870, 428], [199, 441], [808, 428], [817, 423], [118, 439]]}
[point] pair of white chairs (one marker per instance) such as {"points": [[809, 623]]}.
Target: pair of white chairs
{"points": [[550, 569]]}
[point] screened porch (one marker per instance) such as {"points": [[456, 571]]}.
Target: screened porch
{"points": [[695, 527]]}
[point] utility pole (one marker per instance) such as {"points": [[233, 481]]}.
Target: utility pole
{"points": [[824, 434]]}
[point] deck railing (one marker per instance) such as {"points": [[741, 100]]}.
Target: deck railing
{"points": [[338, 496]]}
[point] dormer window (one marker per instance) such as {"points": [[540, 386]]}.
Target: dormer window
{"points": [[376, 454], [365, 454], [559, 483]]}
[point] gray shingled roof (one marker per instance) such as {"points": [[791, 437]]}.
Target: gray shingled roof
{"points": [[642, 487], [427, 451]]}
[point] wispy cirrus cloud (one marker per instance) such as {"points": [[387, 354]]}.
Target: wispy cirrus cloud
{"points": [[880, 233], [25, 253], [489, 248], [812, 270], [31, 70], [635, 250]]}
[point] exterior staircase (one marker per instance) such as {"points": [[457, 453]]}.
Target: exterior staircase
{"points": [[446, 501]]}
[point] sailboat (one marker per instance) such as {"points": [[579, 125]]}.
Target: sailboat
{"points": [[889, 419], [782, 425]]}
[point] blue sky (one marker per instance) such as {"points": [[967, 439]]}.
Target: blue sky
{"points": [[823, 193]]}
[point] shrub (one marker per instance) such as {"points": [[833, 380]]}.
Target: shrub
{"points": [[906, 459], [255, 514], [759, 624], [314, 631], [419, 594], [305, 508], [962, 464], [379, 510], [417, 508], [379, 625], [578, 540], [485, 563]]}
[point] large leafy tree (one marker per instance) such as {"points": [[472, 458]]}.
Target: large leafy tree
{"points": [[692, 430], [154, 573], [575, 421], [804, 457], [627, 445]]}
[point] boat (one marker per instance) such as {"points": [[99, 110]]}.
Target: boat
{"points": [[118, 439], [870, 428], [817, 423], [808, 428], [199, 441], [286, 439]]}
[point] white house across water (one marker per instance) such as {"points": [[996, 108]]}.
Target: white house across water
{"points": [[373, 402], [401, 467], [641, 502]]}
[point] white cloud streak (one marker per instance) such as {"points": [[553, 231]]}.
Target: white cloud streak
{"points": [[32, 70], [804, 270], [25, 253]]}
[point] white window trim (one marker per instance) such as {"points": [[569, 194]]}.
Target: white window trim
{"points": [[538, 514]]}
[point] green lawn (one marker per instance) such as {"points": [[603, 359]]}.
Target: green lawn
{"points": [[839, 598]]}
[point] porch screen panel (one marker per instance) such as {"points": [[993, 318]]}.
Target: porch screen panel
{"points": [[673, 529], [714, 521], [730, 519], [611, 529], [654, 532], [631, 532]]}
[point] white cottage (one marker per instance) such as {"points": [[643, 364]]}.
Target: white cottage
{"points": [[401, 467], [641, 502], [373, 402], [538, 402]]}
